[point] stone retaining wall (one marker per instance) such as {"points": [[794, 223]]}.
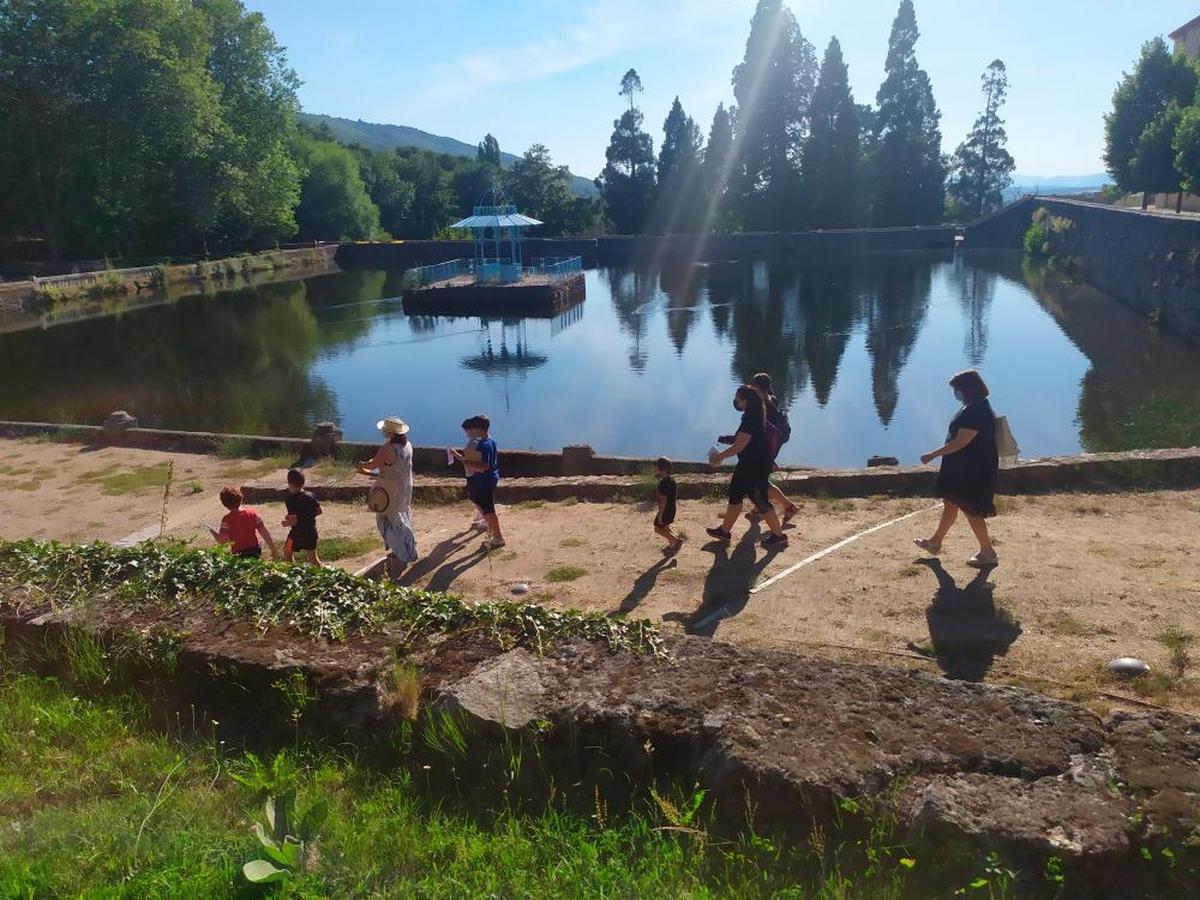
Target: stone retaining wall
{"points": [[19, 296], [775, 739], [578, 472], [1148, 261], [621, 250]]}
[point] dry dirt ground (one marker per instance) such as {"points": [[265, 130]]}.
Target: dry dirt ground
{"points": [[1083, 577]]}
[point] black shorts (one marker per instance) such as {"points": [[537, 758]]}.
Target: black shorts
{"points": [[254, 552], [483, 495], [664, 520], [750, 483], [302, 540]]}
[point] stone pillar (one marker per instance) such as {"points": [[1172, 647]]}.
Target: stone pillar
{"points": [[326, 436], [117, 424], [577, 459]]}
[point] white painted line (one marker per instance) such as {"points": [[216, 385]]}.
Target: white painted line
{"points": [[821, 554]]}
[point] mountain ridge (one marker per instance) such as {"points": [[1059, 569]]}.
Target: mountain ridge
{"points": [[386, 136]]}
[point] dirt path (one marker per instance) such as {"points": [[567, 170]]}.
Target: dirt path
{"points": [[1084, 577]]}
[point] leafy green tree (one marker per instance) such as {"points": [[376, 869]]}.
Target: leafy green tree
{"points": [[489, 150], [1187, 149], [434, 205], [773, 86], [539, 188], [679, 205], [982, 167], [151, 126], [627, 181], [907, 156], [1140, 126], [1153, 163], [334, 204], [717, 171], [832, 159]]}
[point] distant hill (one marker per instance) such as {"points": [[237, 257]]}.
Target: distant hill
{"points": [[375, 136], [1055, 184]]}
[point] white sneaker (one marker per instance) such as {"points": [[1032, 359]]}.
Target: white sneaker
{"points": [[478, 525], [493, 543]]}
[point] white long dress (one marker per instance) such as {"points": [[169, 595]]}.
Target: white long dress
{"points": [[395, 523]]}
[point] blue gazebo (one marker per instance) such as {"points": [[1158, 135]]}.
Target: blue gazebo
{"points": [[498, 229]]}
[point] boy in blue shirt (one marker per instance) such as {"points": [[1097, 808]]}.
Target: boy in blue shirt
{"points": [[481, 461]]}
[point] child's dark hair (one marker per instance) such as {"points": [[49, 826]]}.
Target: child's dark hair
{"points": [[296, 477], [231, 497], [482, 422], [663, 464], [763, 380]]}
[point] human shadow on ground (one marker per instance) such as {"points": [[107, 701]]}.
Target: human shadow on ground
{"points": [[645, 584], [436, 557], [966, 628], [727, 585]]}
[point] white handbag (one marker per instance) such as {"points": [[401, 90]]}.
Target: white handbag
{"points": [[1006, 444]]}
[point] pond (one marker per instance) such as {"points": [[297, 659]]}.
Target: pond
{"points": [[860, 348]]}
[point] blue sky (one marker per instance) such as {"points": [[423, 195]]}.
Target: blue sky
{"points": [[547, 70]]}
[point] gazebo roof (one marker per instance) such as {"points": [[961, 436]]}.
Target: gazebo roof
{"points": [[496, 220]]}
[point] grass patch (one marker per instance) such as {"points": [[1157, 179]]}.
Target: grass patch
{"points": [[910, 571], [235, 448], [570, 543], [347, 546], [319, 601], [130, 481], [337, 469], [1178, 643], [1067, 625], [97, 804], [565, 573], [530, 504]]}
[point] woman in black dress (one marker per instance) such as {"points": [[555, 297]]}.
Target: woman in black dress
{"points": [[751, 475], [970, 464]]}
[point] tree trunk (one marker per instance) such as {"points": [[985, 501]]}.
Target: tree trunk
{"points": [[1145, 199], [1179, 202]]}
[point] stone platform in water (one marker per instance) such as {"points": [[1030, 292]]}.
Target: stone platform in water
{"points": [[535, 296]]}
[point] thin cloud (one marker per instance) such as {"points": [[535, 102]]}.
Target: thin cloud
{"points": [[599, 30]]}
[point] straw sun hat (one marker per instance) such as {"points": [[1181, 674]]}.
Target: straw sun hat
{"points": [[392, 425]]}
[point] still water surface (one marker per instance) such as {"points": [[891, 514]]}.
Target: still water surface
{"points": [[860, 349]]}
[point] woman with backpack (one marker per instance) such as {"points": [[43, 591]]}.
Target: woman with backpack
{"points": [[779, 432], [751, 476], [970, 465]]}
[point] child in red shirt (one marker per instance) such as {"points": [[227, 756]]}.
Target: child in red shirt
{"points": [[241, 527]]}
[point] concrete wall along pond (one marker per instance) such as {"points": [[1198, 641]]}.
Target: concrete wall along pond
{"points": [[1148, 261]]}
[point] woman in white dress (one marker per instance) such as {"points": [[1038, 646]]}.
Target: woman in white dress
{"points": [[391, 495]]}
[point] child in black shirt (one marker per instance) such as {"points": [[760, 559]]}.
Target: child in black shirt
{"points": [[666, 494], [303, 510]]}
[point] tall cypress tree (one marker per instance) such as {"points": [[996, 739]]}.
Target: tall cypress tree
{"points": [[832, 159], [982, 167], [627, 182], [773, 86], [678, 206], [717, 171], [909, 173]]}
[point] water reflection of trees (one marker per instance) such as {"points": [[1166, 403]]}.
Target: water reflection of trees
{"points": [[897, 298], [1141, 388], [238, 361], [631, 290], [792, 320], [976, 287]]}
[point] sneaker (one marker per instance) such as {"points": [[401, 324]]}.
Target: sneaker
{"points": [[478, 525], [492, 544], [720, 534], [777, 541]]}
